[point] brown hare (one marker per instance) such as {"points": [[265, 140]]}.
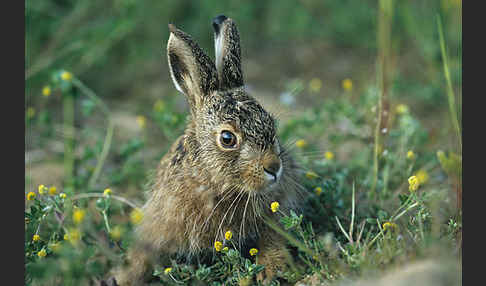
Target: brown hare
{"points": [[223, 173]]}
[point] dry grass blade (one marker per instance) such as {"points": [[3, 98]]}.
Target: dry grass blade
{"points": [[450, 91]]}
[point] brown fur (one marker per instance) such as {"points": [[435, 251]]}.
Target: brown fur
{"points": [[202, 189]]}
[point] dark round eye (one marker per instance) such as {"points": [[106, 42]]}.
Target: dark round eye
{"points": [[227, 139]]}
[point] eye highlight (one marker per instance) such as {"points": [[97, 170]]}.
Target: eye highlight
{"points": [[228, 139]]}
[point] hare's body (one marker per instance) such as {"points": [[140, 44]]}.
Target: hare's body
{"points": [[189, 221], [223, 172]]}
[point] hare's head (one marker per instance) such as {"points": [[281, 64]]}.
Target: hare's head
{"points": [[234, 137]]}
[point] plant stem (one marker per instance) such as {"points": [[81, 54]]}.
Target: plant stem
{"points": [[289, 237], [107, 225], [452, 106], [103, 155], [68, 126], [385, 14], [100, 195], [109, 132], [405, 211], [352, 214], [450, 91]]}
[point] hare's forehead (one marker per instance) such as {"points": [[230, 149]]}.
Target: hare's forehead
{"points": [[256, 124]]}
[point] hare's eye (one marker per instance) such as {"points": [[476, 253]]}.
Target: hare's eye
{"points": [[227, 139]]}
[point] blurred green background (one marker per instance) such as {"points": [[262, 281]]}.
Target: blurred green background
{"points": [[303, 48]]}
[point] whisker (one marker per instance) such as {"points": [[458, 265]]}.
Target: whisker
{"points": [[255, 213], [224, 217], [232, 214], [242, 223], [231, 191], [300, 190]]}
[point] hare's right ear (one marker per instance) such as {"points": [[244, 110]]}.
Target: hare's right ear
{"points": [[228, 52], [192, 71]]}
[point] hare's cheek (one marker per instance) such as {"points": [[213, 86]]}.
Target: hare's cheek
{"points": [[253, 175]]}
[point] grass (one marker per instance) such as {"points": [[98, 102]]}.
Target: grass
{"points": [[361, 217]]}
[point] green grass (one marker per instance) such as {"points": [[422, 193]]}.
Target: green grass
{"points": [[360, 217]]}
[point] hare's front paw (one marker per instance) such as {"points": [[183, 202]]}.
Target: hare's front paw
{"points": [[266, 276], [274, 262]]}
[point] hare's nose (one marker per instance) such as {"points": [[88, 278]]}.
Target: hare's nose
{"points": [[272, 167], [217, 21]]}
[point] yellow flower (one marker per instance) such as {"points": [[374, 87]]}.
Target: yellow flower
{"points": [[413, 183], [141, 121], [78, 216], [66, 76], [107, 192], [31, 196], [311, 175], [389, 226], [46, 91], [218, 245], [318, 191], [274, 206], [347, 84], [36, 237], [116, 233], [410, 155], [301, 143], [253, 251], [62, 195], [315, 85], [225, 249], [168, 270], [30, 112], [73, 236], [329, 155], [402, 109], [228, 235], [159, 105], [422, 176], [52, 191], [42, 253], [136, 216], [42, 189]]}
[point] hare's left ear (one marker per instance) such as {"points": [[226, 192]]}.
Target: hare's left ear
{"points": [[228, 53], [192, 71]]}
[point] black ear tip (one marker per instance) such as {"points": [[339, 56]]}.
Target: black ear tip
{"points": [[217, 21]]}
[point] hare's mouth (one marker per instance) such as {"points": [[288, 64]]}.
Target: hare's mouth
{"points": [[272, 176]]}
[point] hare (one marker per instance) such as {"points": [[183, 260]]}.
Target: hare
{"points": [[223, 173]]}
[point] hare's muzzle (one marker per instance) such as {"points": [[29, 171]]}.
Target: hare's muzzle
{"points": [[272, 168]]}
